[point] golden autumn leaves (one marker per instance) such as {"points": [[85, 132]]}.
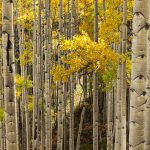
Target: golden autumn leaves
{"points": [[83, 53]]}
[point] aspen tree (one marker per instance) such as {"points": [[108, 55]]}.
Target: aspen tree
{"points": [[60, 85], [35, 83], [65, 115], [95, 81], [65, 90], [83, 111], [25, 118], [65, 85], [42, 68], [72, 83], [123, 79], [18, 134], [26, 108], [40, 76], [48, 50], [110, 120], [21, 49], [118, 99], [9, 74], [138, 75]]}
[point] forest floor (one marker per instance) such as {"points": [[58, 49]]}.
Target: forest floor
{"points": [[86, 137]]}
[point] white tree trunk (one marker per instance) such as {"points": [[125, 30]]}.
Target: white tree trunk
{"points": [[123, 79], [47, 75], [60, 87], [72, 84], [110, 120], [118, 100], [147, 97], [35, 83], [83, 112], [9, 74], [138, 75], [95, 83], [1, 99]]}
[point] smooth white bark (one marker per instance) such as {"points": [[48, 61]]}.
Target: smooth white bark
{"points": [[138, 75]]}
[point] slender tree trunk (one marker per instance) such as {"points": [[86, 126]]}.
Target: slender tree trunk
{"points": [[104, 8], [83, 112], [40, 76], [47, 75], [60, 87], [26, 109], [18, 120], [118, 100], [95, 85], [1, 99], [71, 118], [110, 120], [22, 47], [72, 83], [35, 83], [123, 79], [65, 115], [9, 74], [138, 75]]}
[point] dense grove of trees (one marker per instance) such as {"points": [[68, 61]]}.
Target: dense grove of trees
{"points": [[74, 75]]}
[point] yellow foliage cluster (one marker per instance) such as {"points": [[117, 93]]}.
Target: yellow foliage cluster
{"points": [[26, 56], [2, 113], [83, 53], [21, 82], [30, 103], [24, 11], [109, 27]]}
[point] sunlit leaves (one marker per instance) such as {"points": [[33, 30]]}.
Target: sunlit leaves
{"points": [[2, 111], [22, 82], [26, 55], [83, 53], [30, 103]]}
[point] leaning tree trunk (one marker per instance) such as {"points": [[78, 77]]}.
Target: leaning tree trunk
{"points": [[83, 112], [95, 83], [9, 74], [138, 75]]}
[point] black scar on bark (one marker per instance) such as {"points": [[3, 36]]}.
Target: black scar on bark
{"points": [[144, 93], [142, 56], [9, 46], [35, 133], [140, 76], [5, 17], [138, 13]]}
